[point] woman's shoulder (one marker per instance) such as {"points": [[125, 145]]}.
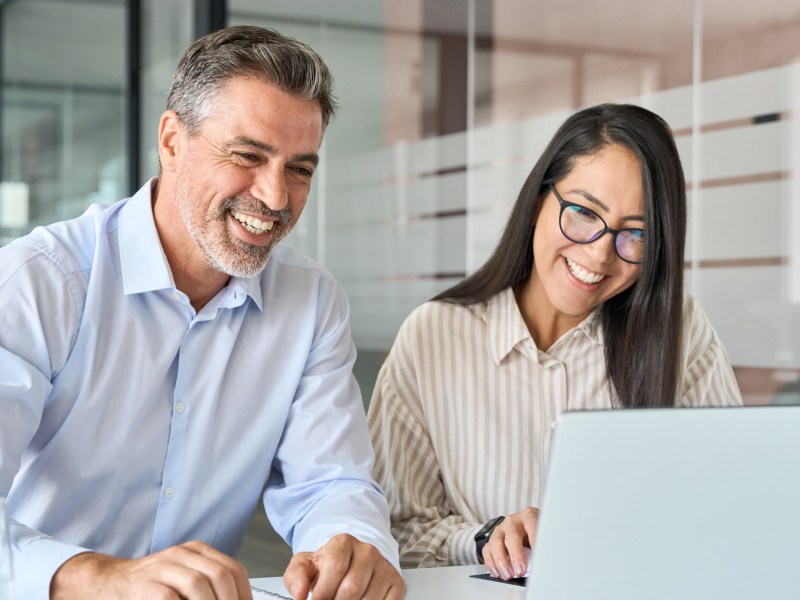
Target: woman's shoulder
{"points": [[440, 322], [693, 314], [699, 334]]}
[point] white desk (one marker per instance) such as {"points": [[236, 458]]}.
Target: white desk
{"points": [[433, 584]]}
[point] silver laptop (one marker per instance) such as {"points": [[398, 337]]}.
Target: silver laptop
{"points": [[671, 504]]}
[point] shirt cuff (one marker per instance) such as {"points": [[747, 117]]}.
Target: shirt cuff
{"points": [[35, 564], [461, 546]]}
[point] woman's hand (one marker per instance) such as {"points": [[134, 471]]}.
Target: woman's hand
{"points": [[504, 553]]}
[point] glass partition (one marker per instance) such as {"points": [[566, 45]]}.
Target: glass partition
{"points": [[62, 109]]}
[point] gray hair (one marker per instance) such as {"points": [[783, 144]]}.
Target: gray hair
{"points": [[247, 51]]}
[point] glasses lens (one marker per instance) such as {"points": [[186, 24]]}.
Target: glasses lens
{"points": [[630, 245], [581, 224]]}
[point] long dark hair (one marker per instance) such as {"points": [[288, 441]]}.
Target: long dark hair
{"points": [[642, 324]]}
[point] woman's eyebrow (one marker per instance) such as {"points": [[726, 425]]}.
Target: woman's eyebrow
{"points": [[594, 200]]}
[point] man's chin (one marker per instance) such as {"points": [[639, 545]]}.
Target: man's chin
{"points": [[246, 267]]}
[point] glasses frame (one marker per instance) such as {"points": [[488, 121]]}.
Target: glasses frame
{"points": [[606, 229]]}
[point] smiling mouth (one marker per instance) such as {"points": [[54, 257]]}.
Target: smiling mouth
{"points": [[582, 274], [252, 224]]}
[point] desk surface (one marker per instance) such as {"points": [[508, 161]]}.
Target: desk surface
{"points": [[433, 584]]}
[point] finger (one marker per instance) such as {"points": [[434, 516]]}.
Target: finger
{"points": [[233, 569], [333, 562], [396, 591], [299, 575], [385, 582], [366, 576], [531, 527], [496, 546], [514, 549], [488, 561], [519, 563], [184, 581], [215, 573]]}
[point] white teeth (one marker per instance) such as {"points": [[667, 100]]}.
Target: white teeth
{"points": [[582, 274], [252, 224]]}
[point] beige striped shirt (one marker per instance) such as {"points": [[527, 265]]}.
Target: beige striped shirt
{"points": [[464, 409]]}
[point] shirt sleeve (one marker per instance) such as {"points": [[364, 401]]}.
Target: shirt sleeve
{"points": [[38, 318], [321, 481], [426, 526], [708, 378]]}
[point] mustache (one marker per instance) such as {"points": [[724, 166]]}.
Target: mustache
{"points": [[251, 205]]}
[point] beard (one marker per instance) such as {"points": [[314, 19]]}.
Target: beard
{"points": [[224, 252]]}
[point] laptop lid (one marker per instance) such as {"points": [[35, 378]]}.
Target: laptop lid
{"points": [[671, 503]]}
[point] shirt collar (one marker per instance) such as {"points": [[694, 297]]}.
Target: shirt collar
{"points": [[591, 327], [506, 326], [251, 286], [143, 262]]}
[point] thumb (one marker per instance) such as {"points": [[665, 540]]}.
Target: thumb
{"points": [[299, 575]]}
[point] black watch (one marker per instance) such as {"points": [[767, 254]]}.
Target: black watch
{"points": [[484, 534]]}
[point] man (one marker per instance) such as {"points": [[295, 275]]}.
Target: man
{"points": [[162, 362]]}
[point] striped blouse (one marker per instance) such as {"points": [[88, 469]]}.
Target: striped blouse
{"points": [[464, 409]]}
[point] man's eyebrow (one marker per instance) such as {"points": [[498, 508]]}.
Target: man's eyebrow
{"points": [[594, 200], [243, 140]]}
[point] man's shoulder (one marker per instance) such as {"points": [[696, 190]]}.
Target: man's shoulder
{"points": [[70, 245]]}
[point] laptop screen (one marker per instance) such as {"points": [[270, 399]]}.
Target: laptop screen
{"points": [[671, 503]]}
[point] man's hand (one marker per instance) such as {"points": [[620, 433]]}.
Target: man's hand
{"points": [[191, 571], [503, 554], [344, 569]]}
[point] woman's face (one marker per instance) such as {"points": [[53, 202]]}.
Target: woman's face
{"points": [[569, 280]]}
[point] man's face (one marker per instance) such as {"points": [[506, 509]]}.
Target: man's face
{"points": [[243, 178]]}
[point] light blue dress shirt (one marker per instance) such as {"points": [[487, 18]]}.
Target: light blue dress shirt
{"points": [[131, 423]]}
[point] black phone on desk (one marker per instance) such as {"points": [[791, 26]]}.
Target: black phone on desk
{"points": [[518, 581]]}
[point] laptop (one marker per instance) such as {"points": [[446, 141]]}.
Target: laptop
{"points": [[689, 503]]}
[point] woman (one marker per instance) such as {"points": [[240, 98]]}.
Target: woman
{"points": [[581, 306]]}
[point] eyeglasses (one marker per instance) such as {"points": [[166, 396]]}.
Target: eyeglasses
{"points": [[583, 226]]}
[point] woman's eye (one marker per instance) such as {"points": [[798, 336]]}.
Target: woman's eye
{"points": [[583, 213]]}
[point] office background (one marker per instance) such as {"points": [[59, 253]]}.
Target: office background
{"points": [[445, 106]]}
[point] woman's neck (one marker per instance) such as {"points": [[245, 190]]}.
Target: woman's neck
{"points": [[545, 323]]}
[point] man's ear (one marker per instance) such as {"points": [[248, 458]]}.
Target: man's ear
{"points": [[170, 136]]}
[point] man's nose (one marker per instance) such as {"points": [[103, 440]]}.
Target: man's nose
{"points": [[269, 186]]}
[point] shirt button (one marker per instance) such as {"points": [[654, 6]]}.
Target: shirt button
{"points": [[176, 296], [180, 407], [169, 492]]}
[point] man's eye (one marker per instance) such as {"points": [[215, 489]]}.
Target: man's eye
{"points": [[247, 157], [303, 171]]}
